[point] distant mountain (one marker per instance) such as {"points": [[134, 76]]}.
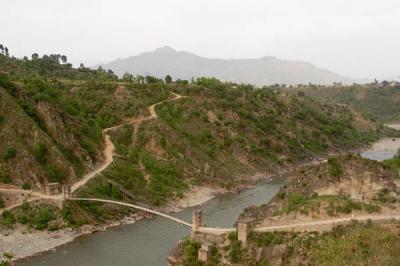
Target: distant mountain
{"points": [[261, 71]]}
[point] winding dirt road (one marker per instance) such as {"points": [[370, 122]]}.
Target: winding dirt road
{"points": [[108, 152]]}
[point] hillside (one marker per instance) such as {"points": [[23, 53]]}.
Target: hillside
{"points": [[219, 134], [344, 186], [262, 71], [379, 103], [340, 186]]}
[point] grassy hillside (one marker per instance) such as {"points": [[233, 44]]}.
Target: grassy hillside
{"points": [[218, 135], [380, 103]]}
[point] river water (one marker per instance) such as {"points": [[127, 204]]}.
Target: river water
{"points": [[149, 241]]}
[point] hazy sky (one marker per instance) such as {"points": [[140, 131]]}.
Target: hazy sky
{"points": [[358, 38]]}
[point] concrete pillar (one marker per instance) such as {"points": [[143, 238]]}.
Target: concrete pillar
{"points": [[197, 219], [66, 189], [244, 228], [204, 252]]}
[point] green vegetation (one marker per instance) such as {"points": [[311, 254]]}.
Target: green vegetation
{"points": [[10, 153], [358, 245], [333, 205], [190, 251], [6, 261], [334, 167], [38, 216], [394, 163], [380, 103]]}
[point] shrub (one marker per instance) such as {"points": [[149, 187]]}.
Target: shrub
{"points": [[26, 186], [190, 252], [5, 178], [295, 200], [10, 153], [235, 251], [8, 219], [40, 152], [6, 261], [335, 170]]}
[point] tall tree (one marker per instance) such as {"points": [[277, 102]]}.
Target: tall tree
{"points": [[127, 77], [64, 59], [168, 79]]}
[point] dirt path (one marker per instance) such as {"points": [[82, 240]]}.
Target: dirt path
{"points": [[108, 152], [321, 225], [328, 224]]}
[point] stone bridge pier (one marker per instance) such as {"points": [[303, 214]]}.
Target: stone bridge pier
{"points": [[197, 219], [244, 227]]}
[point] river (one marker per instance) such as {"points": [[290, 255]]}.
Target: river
{"points": [[149, 241]]}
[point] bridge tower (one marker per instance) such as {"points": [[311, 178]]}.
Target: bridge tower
{"points": [[244, 228], [66, 189], [197, 219]]}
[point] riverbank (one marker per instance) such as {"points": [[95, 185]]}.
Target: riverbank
{"points": [[24, 244], [38, 242]]}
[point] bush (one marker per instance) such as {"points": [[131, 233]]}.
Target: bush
{"points": [[335, 170], [40, 152], [5, 178], [295, 200], [10, 153], [190, 253], [8, 219], [26, 186], [6, 261], [235, 251]]}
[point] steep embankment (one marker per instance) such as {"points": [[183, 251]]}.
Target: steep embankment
{"points": [[341, 186], [316, 198]]}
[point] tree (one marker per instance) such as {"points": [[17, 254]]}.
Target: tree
{"points": [[64, 59], [35, 56], [168, 79], [127, 77], [6, 51], [139, 79], [1, 48]]}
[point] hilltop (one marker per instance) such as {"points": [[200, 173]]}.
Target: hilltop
{"points": [[261, 71]]}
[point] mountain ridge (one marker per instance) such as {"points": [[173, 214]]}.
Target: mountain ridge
{"points": [[265, 70]]}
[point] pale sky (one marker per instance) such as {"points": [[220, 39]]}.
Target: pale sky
{"points": [[356, 38]]}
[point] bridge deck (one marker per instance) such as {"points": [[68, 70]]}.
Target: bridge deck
{"points": [[135, 207]]}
